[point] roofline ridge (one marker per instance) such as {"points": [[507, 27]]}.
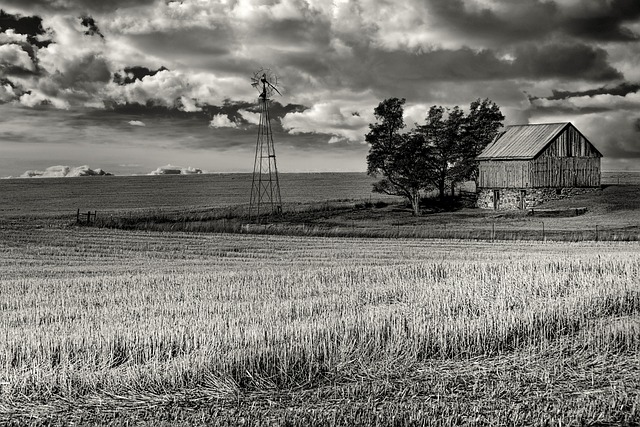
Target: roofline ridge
{"points": [[540, 124]]}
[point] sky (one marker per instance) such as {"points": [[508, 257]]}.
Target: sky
{"points": [[129, 86]]}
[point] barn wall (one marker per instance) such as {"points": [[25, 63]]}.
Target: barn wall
{"points": [[504, 174], [570, 143], [565, 172], [539, 173]]}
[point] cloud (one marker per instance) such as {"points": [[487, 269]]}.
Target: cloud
{"points": [[222, 121], [131, 74], [563, 60], [91, 26], [175, 170], [136, 123], [618, 90], [327, 118], [604, 21], [64, 171], [250, 116], [30, 26], [75, 5], [184, 67], [14, 60], [10, 36]]}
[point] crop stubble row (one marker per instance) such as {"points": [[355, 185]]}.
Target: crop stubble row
{"points": [[89, 311]]}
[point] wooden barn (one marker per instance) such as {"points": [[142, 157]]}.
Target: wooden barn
{"points": [[527, 164]]}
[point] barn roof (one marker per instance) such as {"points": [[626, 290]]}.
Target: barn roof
{"points": [[522, 141]]}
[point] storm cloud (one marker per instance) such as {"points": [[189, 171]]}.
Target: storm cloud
{"points": [[183, 68]]}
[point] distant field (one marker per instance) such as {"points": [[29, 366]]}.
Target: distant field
{"points": [[128, 327], [113, 193], [117, 193]]}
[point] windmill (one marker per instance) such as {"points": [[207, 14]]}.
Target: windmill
{"points": [[265, 186]]}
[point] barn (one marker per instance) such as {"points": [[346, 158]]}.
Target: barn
{"points": [[527, 164]]}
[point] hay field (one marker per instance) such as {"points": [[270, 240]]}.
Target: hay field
{"points": [[123, 327]]}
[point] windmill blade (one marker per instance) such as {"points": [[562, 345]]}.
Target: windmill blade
{"points": [[274, 88]]}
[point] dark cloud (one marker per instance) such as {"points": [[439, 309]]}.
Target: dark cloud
{"points": [[619, 90], [410, 75], [92, 28], [205, 48], [31, 26], [522, 21], [229, 108], [571, 61], [89, 68], [131, 74], [534, 19], [5, 82], [605, 22], [76, 5]]}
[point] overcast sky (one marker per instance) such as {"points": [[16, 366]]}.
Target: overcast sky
{"points": [[132, 85]]}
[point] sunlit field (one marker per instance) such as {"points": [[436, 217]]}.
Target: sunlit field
{"points": [[139, 327]]}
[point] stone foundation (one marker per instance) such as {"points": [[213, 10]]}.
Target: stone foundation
{"points": [[524, 198]]}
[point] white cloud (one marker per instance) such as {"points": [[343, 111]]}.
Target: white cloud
{"points": [[36, 98], [222, 121], [7, 93], [64, 172], [328, 118], [251, 117], [136, 123], [14, 55], [10, 36], [175, 170]]}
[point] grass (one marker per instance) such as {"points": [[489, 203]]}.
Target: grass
{"points": [[146, 327], [611, 215]]}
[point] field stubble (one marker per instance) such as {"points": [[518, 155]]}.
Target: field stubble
{"points": [[184, 327]]}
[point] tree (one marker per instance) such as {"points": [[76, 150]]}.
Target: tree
{"points": [[437, 154], [443, 135], [456, 140], [398, 157], [482, 125]]}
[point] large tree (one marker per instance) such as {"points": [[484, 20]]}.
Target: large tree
{"points": [[457, 139], [481, 126], [398, 157]]}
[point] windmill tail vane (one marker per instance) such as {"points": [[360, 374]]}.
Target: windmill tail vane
{"points": [[265, 185]]}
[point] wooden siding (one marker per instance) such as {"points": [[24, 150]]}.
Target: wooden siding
{"points": [[542, 172], [504, 174], [570, 143], [565, 172]]}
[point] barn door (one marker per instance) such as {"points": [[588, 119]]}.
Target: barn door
{"points": [[496, 199]]}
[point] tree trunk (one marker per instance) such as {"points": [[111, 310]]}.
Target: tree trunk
{"points": [[441, 188], [415, 203]]}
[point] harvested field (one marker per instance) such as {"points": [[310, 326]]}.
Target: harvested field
{"points": [[147, 327]]}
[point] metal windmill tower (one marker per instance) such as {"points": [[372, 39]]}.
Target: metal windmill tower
{"points": [[265, 186]]}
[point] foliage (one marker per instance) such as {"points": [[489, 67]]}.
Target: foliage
{"points": [[457, 139], [398, 157], [437, 154]]}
